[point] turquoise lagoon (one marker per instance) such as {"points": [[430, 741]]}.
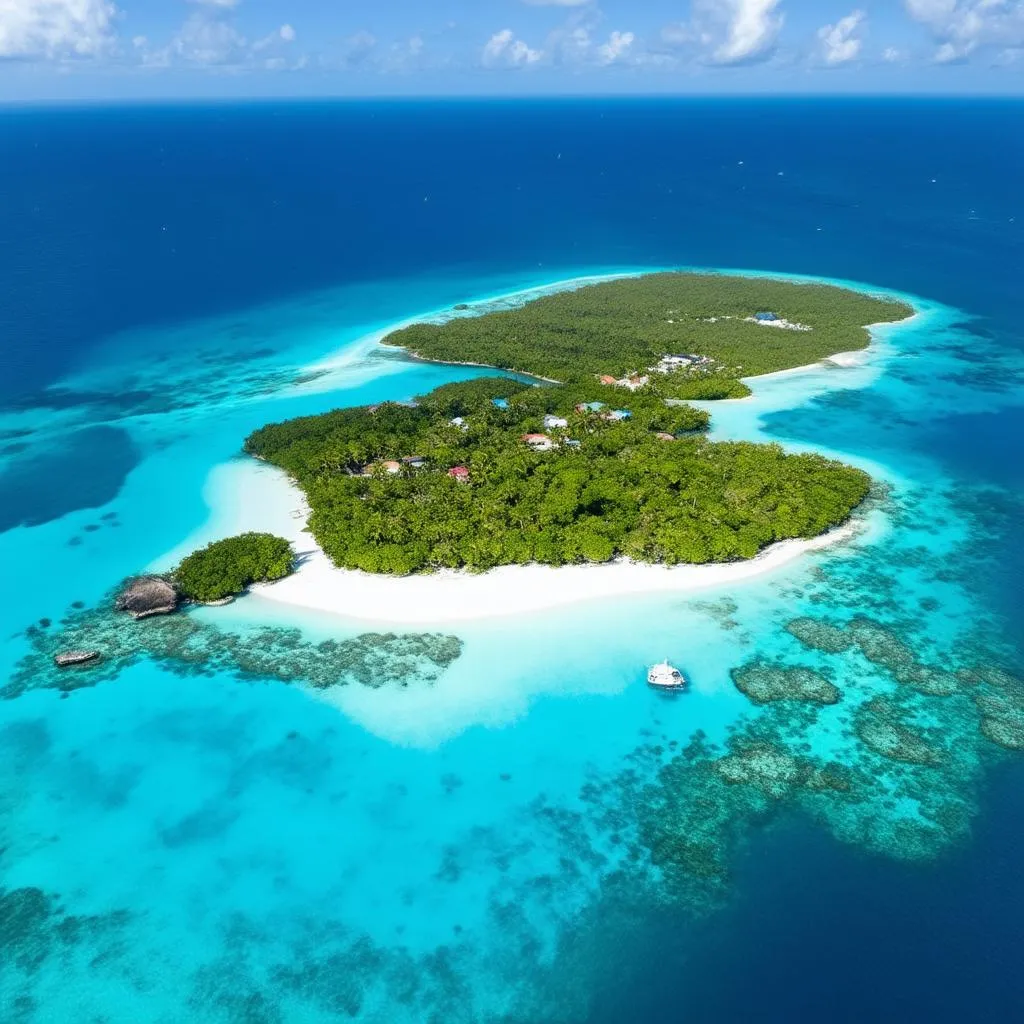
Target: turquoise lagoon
{"points": [[480, 840]]}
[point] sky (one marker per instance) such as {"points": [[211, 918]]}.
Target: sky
{"points": [[138, 49]]}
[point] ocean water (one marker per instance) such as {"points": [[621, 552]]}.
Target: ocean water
{"points": [[203, 836]]}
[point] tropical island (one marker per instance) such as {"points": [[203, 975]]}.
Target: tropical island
{"points": [[597, 456]]}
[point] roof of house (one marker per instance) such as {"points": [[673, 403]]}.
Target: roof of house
{"points": [[536, 437], [458, 471], [501, 403]]}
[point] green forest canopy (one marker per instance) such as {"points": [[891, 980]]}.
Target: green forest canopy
{"points": [[226, 567], [650, 487], [625, 326]]}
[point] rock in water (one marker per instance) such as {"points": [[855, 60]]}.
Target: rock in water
{"points": [[147, 595], [66, 658]]}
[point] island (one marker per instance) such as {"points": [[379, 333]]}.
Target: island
{"points": [[588, 450], [225, 568]]}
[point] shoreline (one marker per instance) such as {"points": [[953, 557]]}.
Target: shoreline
{"points": [[452, 596], [252, 495]]}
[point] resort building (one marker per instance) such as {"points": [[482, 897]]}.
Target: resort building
{"points": [[633, 383], [390, 466], [414, 461], [459, 473], [606, 379], [765, 318], [668, 364], [662, 436], [590, 407], [539, 442], [499, 403], [555, 423], [617, 414], [459, 422]]}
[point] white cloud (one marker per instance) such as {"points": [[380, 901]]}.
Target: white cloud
{"points": [[617, 47], [730, 31], [208, 41], [357, 48], [840, 43], [753, 28], [960, 27], [209, 38], [678, 35], [55, 29], [890, 55], [285, 34], [504, 50]]}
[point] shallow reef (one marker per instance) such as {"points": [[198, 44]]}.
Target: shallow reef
{"points": [[187, 644], [33, 926], [880, 728], [999, 698], [764, 682]]}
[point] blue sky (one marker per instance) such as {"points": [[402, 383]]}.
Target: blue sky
{"points": [[84, 49]]}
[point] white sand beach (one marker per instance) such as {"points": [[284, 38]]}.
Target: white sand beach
{"points": [[255, 496]]}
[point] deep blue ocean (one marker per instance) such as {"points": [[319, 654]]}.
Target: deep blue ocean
{"points": [[165, 274]]}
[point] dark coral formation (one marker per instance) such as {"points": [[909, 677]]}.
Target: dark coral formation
{"points": [[880, 728], [999, 698], [820, 635], [33, 926], [881, 646], [764, 682], [187, 644]]}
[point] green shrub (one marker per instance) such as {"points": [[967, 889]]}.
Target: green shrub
{"points": [[227, 567]]}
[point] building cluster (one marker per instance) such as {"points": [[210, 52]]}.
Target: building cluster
{"points": [[667, 364]]}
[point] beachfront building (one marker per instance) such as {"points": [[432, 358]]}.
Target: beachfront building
{"points": [[459, 473], [390, 466], [539, 442], [555, 423], [618, 414], [414, 461], [590, 407], [499, 403], [459, 422], [606, 378]]}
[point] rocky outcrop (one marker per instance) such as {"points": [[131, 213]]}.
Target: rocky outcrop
{"points": [[64, 659], [147, 595]]}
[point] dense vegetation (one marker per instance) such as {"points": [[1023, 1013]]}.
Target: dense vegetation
{"points": [[651, 487], [227, 567], [625, 326]]}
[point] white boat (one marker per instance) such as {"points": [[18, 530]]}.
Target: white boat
{"points": [[666, 677]]}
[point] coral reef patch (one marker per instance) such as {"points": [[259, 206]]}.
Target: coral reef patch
{"points": [[187, 644], [764, 682], [880, 728]]}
